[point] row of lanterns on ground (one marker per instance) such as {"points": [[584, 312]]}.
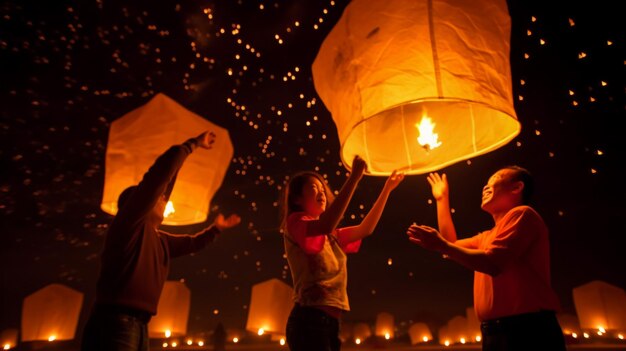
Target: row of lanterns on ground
{"points": [[51, 314]]}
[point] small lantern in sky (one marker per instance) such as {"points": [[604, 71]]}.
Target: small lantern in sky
{"points": [[270, 305], [419, 332], [51, 314], [418, 85], [139, 137], [600, 306], [172, 311], [385, 325]]}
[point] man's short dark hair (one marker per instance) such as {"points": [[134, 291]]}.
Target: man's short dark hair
{"points": [[523, 175], [124, 196]]}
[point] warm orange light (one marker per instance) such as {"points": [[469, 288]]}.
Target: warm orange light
{"points": [[282, 341], [425, 338], [52, 337], [165, 344], [478, 338], [620, 336], [200, 343], [387, 336], [235, 340], [586, 336], [189, 342], [462, 340], [357, 341], [168, 333], [169, 209], [174, 344], [427, 138], [7, 346], [261, 331], [574, 335], [447, 342]]}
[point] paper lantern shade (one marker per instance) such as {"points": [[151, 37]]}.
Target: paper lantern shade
{"points": [[270, 305], [361, 331], [139, 137], [457, 329], [419, 332], [51, 314], [172, 311], [600, 305], [385, 325], [387, 68]]}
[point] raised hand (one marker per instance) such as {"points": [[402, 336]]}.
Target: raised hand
{"points": [[206, 140], [426, 237], [438, 185], [394, 180], [359, 166], [225, 223]]}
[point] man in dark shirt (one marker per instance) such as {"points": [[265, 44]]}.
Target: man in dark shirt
{"points": [[136, 256]]}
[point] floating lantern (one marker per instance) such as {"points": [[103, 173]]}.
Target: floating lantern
{"points": [[8, 339], [600, 306], [270, 305], [457, 329], [139, 137], [419, 332], [473, 325], [51, 314], [361, 332], [418, 85], [172, 311], [385, 325]]}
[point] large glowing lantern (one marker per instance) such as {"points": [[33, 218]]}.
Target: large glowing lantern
{"points": [[420, 332], [172, 311], [270, 305], [385, 325], [600, 305], [8, 339], [139, 137], [51, 313], [418, 85]]}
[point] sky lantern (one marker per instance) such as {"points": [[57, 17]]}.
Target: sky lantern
{"points": [[140, 136], [8, 339], [569, 323], [418, 85], [385, 325], [172, 311], [270, 305], [361, 332], [444, 336], [419, 333], [600, 306], [457, 328], [51, 314]]}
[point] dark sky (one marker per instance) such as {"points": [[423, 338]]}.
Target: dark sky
{"points": [[70, 68]]}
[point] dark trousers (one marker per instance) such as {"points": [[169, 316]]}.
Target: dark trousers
{"points": [[311, 329], [111, 328], [531, 331]]}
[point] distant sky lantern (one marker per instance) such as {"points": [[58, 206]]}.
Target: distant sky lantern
{"points": [[418, 85], [270, 305], [361, 332], [600, 305], [51, 314], [419, 332], [385, 325], [139, 137], [172, 311]]}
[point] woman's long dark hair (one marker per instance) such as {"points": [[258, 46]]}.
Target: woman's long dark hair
{"points": [[293, 190]]}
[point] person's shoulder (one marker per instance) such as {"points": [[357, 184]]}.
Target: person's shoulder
{"points": [[526, 213]]}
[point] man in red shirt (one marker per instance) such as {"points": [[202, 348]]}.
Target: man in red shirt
{"points": [[137, 254], [513, 297]]}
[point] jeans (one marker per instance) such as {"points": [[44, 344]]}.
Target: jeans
{"points": [[531, 331], [311, 329], [116, 329]]}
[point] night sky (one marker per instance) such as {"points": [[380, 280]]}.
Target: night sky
{"points": [[70, 68]]}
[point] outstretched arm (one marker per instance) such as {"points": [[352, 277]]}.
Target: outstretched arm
{"points": [[367, 226], [440, 190], [430, 239], [330, 218], [180, 245]]}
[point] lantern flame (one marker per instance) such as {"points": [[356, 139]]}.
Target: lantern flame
{"points": [[169, 209], [7, 346], [427, 138], [168, 333]]}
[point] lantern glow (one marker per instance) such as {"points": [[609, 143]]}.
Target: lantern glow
{"points": [[169, 209], [6, 346], [385, 63]]}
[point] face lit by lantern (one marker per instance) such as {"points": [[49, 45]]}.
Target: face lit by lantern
{"points": [[500, 193], [313, 197]]}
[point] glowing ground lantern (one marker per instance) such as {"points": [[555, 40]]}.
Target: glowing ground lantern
{"points": [[8, 339], [172, 311], [270, 305], [51, 313], [418, 85], [361, 332], [457, 329], [385, 325], [139, 137], [419, 332], [600, 306], [473, 325]]}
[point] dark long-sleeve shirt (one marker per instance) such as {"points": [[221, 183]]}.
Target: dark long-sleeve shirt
{"points": [[136, 256]]}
